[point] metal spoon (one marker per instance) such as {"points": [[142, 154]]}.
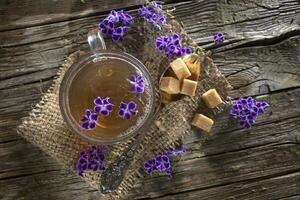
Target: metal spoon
{"points": [[114, 174]]}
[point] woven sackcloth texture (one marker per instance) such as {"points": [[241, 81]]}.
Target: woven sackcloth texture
{"points": [[45, 127]]}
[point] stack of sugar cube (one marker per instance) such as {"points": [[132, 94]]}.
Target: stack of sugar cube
{"points": [[185, 81], [187, 73]]}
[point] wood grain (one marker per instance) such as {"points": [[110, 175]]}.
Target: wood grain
{"points": [[260, 56], [19, 14]]}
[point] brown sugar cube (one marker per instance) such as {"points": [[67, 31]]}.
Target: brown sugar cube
{"points": [[165, 98], [169, 85], [194, 65], [180, 69], [211, 98], [202, 122], [189, 87]]}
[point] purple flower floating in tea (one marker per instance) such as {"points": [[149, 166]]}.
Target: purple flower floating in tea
{"points": [[246, 110], [127, 110], [171, 45], [103, 106], [89, 120], [153, 14], [115, 25], [219, 38], [137, 84], [91, 159]]}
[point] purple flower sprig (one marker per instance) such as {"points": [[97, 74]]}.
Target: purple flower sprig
{"points": [[102, 107], [127, 110], [219, 38], [153, 14], [246, 110], [115, 25], [171, 45], [91, 159], [162, 163]]}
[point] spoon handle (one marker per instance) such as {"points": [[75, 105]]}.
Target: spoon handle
{"points": [[114, 174]]}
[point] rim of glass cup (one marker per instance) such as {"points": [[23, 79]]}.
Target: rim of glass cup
{"points": [[71, 73]]}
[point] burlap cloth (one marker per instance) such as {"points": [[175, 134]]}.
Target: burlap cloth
{"points": [[45, 127]]}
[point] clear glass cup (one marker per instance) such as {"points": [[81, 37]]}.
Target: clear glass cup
{"points": [[99, 54]]}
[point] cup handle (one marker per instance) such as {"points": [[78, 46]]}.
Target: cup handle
{"points": [[96, 41]]}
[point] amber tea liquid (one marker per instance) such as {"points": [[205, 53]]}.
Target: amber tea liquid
{"points": [[108, 78]]}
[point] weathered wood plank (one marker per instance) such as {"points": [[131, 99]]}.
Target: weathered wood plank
{"points": [[243, 22], [57, 184], [261, 69], [259, 154], [18, 14], [280, 187], [293, 197]]}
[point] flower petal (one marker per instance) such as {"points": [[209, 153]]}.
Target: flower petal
{"points": [[104, 112], [132, 78], [97, 109], [88, 112], [85, 125], [133, 88], [98, 101], [94, 117], [121, 113], [127, 115], [132, 105], [139, 89], [109, 107], [92, 125], [123, 105]]}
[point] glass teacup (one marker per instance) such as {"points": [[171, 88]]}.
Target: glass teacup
{"points": [[100, 98]]}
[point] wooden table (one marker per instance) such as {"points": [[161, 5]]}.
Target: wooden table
{"points": [[260, 57]]}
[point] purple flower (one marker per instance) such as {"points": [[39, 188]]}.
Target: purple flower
{"points": [[160, 163], [127, 110], [113, 16], [137, 84], [89, 120], [81, 166], [163, 163], [171, 45], [91, 159], [119, 33], [115, 25], [153, 14], [219, 38], [246, 110], [102, 106], [125, 18], [150, 166], [106, 27]]}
